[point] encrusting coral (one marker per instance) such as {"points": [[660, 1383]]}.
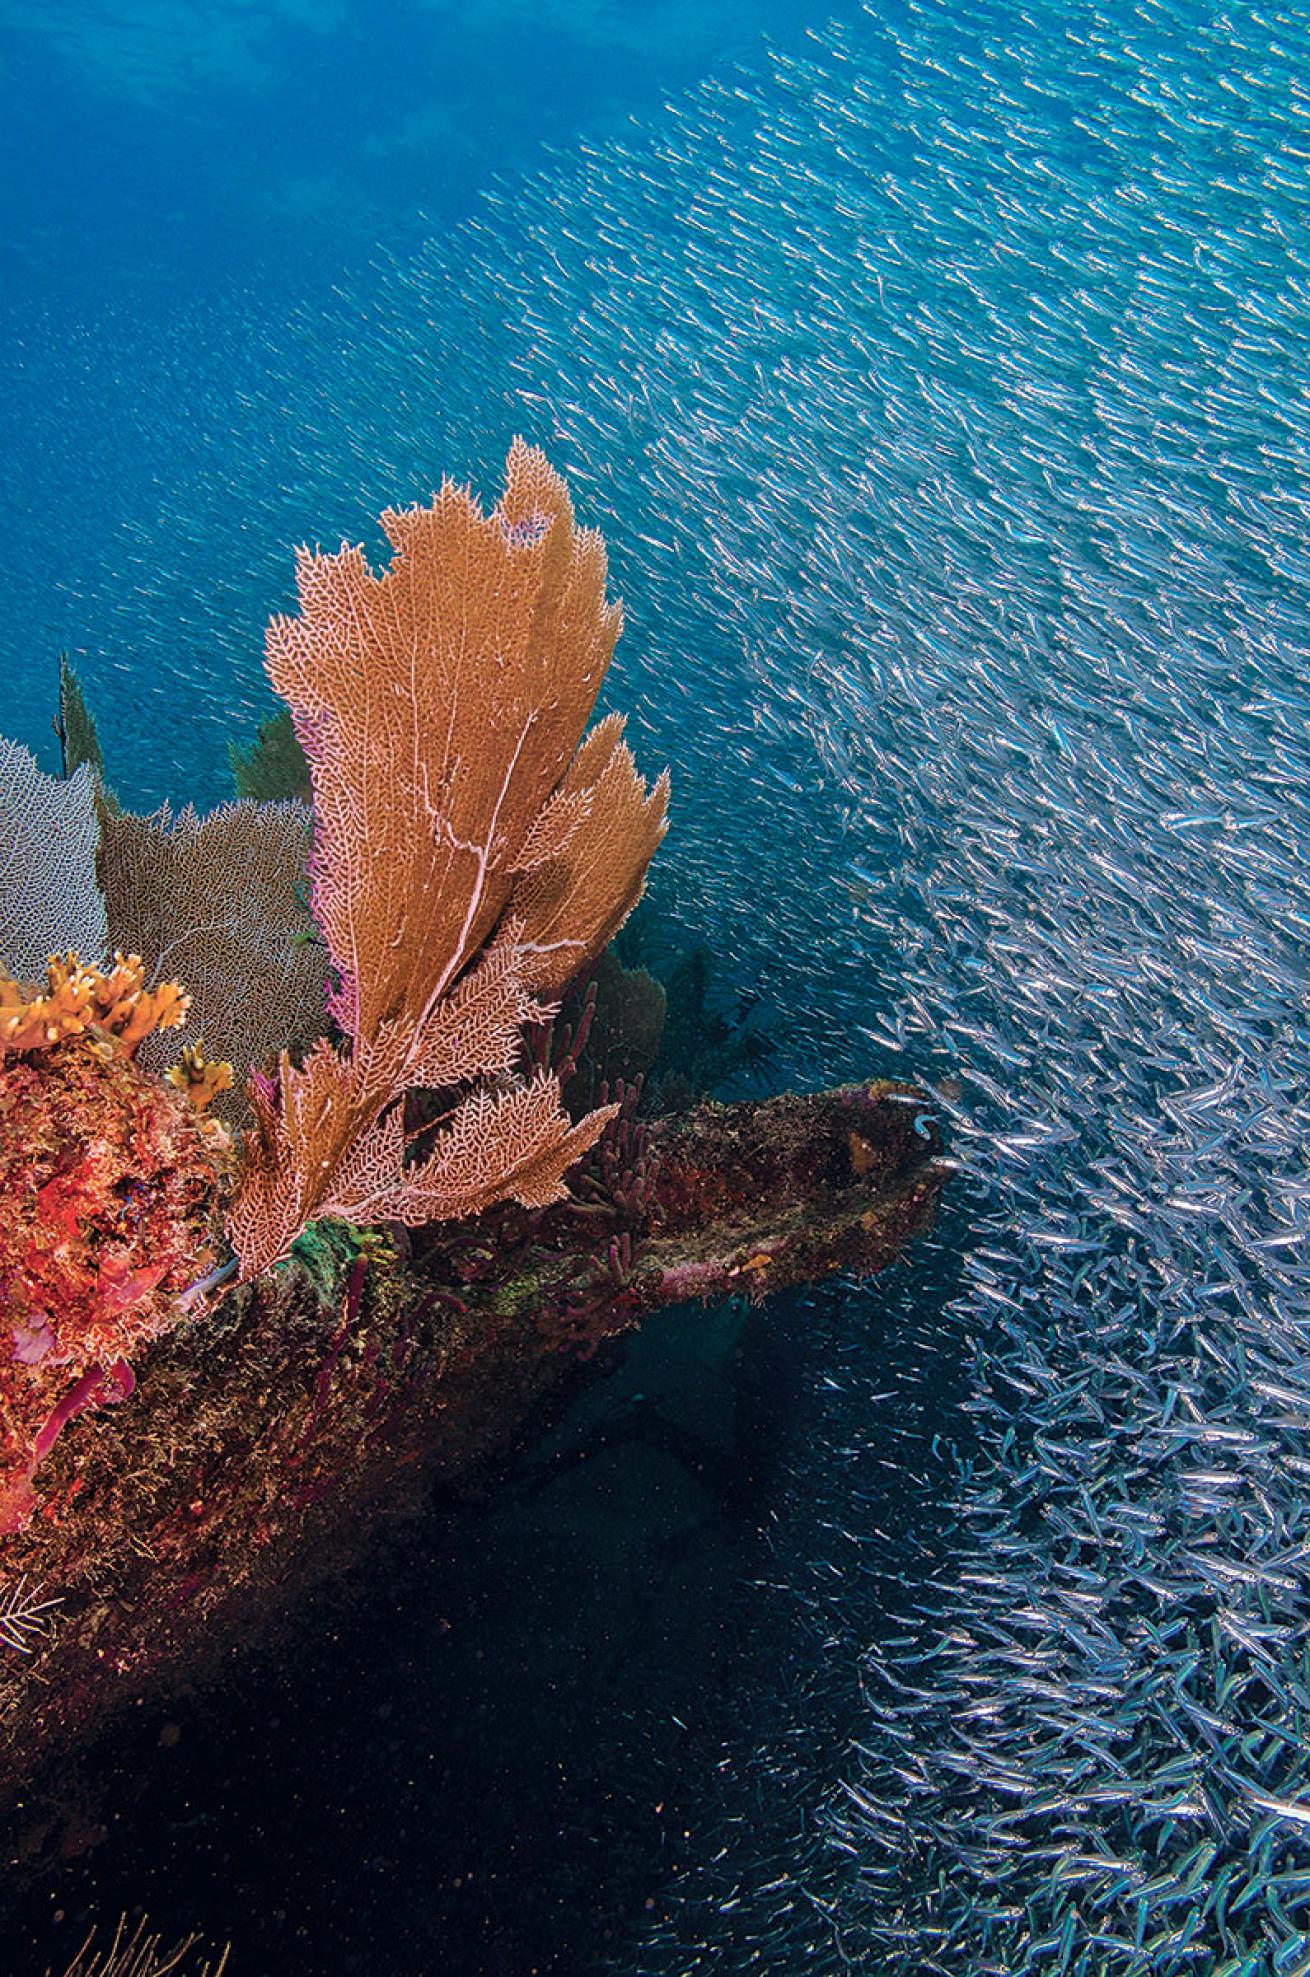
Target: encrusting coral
{"points": [[471, 851], [108, 1183]]}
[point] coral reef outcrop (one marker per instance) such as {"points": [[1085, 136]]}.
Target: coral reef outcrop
{"points": [[416, 1283]]}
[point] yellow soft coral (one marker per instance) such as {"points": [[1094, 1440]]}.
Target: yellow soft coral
{"points": [[78, 997], [200, 1077]]}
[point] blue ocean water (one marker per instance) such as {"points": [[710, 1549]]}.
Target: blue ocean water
{"points": [[939, 382], [194, 198]]}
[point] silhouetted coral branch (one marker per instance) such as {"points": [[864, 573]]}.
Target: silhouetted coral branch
{"points": [[139, 1954], [25, 1617]]}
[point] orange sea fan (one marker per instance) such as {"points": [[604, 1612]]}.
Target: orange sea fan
{"points": [[572, 904], [470, 849], [439, 705]]}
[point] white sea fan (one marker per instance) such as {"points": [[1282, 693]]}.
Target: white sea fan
{"points": [[24, 1615], [49, 899]]}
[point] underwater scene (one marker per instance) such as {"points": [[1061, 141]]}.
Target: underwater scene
{"points": [[655, 989]]}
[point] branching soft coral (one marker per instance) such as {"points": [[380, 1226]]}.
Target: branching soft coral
{"points": [[79, 997], [200, 1077]]}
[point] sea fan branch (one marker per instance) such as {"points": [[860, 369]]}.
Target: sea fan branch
{"points": [[471, 849]]}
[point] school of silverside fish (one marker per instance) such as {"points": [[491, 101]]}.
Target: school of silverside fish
{"points": [[942, 391], [952, 384]]}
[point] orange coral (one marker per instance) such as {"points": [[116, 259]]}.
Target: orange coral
{"points": [[80, 997], [572, 903], [200, 1077], [470, 849]]}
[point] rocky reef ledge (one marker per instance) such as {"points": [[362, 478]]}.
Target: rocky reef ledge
{"points": [[265, 1436]]}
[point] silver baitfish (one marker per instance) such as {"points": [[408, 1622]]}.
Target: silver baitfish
{"points": [[951, 381]]}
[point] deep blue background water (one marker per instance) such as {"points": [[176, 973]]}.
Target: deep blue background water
{"points": [[175, 147], [181, 183]]}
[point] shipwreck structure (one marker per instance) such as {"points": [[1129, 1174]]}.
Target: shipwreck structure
{"points": [[363, 1232]]}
